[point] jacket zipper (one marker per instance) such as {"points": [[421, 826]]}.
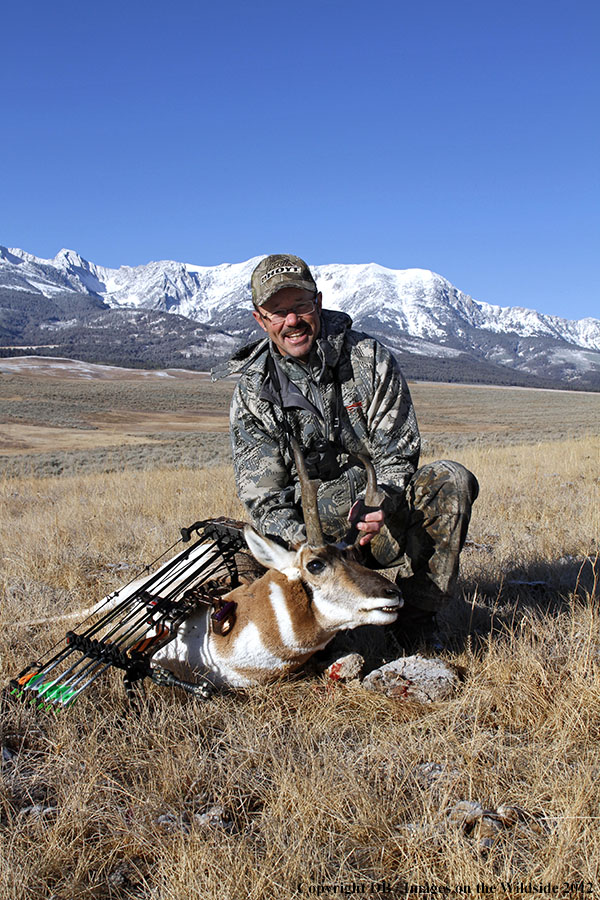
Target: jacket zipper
{"points": [[318, 402]]}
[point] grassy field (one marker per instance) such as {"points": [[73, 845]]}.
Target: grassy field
{"points": [[55, 425], [305, 788], [59, 425]]}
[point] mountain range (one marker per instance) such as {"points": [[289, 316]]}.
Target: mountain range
{"points": [[170, 313]]}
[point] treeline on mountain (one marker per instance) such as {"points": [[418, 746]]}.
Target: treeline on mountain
{"points": [[82, 327], [158, 355], [23, 308], [119, 348], [466, 370]]}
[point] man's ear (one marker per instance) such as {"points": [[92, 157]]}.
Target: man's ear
{"points": [[259, 319], [319, 300]]}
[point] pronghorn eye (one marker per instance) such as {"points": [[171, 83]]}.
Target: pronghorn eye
{"points": [[315, 566]]}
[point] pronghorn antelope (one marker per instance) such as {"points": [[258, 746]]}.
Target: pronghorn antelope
{"points": [[307, 595]]}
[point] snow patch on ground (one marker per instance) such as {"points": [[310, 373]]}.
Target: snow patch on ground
{"points": [[76, 368]]}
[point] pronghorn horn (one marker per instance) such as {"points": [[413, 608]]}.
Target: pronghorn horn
{"points": [[308, 491], [373, 497]]}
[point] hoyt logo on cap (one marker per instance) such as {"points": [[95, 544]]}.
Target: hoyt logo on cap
{"points": [[279, 271]]}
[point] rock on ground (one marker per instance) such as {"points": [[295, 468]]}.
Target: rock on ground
{"points": [[346, 668], [414, 678]]}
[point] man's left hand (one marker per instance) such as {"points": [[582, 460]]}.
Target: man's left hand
{"points": [[371, 524]]}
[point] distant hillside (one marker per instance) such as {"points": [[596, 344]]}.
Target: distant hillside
{"points": [[80, 326]]}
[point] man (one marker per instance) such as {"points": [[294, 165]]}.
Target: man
{"points": [[341, 393]]}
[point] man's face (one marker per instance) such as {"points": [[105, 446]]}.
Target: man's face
{"points": [[295, 334]]}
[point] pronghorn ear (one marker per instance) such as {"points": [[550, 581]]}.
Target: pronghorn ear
{"points": [[267, 552]]}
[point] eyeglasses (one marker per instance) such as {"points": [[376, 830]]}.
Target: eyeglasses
{"points": [[302, 308]]}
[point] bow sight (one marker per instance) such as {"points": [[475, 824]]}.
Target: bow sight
{"points": [[130, 632]]}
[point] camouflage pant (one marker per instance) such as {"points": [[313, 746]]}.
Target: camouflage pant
{"points": [[426, 535]]}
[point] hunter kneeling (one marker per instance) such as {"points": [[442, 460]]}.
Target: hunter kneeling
{"points": [[341, 394]]}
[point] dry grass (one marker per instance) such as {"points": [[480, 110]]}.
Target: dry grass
{"points": [[319, 786], [461, 416], [55, 426]]}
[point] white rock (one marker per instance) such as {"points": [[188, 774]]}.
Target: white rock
{"points": [[215, 817], [345, 668], [414, 678]]}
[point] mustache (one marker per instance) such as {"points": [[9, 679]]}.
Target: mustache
{"points": [[299, 328]]}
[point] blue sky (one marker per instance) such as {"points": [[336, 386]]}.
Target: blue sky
{"points": [[456, 136]]}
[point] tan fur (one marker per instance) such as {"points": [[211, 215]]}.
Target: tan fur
{"points": [[254, 606]]}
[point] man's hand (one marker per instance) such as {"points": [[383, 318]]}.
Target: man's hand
{"points": [[371, 524]]}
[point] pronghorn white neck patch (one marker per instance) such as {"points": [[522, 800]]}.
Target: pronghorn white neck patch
{"points": [[250, 652], [282, 614]]}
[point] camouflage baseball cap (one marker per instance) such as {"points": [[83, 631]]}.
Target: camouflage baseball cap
{"points": [[279, 271]]}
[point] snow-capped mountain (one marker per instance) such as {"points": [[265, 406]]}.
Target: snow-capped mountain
{"points": [[423, 304], [197, 292], [415, 311]]}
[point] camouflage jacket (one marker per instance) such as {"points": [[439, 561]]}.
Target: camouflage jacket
{"points": [[350, 397]]}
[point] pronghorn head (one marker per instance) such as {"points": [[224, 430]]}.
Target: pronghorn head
{"points": [[342, 592]]}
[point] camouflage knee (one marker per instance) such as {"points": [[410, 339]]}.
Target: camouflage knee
{"points": [[445, 487], [436, 492], [440, 497]]}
